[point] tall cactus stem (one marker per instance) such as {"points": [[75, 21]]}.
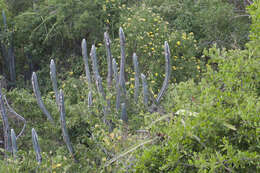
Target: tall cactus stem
{"points": [[90, 101], [63, 125], [7, 135], [93, 56], [36, 146], [167, 72], [54, 80], [121, 90], [109, 59], [124, 113], [115, 72], [145, 90], [37, 93], [137, 83], [14, 146], [117, 84], [85, 59]]}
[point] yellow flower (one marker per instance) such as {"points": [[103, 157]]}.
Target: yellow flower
{"points": [[178, 43], [71, 73], [56, 166], [198, 67], [156, 74], [99, 44], [152, 81], [152, 49], [173, 67], [128, 19], [132, 86], [132, 79], [112, 135]]}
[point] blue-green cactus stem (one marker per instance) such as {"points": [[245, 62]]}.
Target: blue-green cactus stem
{"points": [[85, 59], [36, 146], [37, 94]]}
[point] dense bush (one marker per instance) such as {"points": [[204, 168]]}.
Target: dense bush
{"points": [[220, 130], [214, 21], [146, 32]]}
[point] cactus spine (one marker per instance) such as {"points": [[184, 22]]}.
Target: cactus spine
{"points": [[167, 72], [38, 97], [137, 83], [54, 80], [14, 146], [85, 59], [7, 135], [145, 89], [63, 125], [36, 146], [109, 59]]}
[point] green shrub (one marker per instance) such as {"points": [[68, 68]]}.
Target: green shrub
{"points": [[214, 21], [146, 33], [223, 134]]}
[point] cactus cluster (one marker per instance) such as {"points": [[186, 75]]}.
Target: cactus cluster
{"points": [[120, 87]]}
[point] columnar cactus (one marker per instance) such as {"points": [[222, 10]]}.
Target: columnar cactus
{"points": [[93, 56], [38, 97], [145, 89], [123, 112], [167, 72], [115, 72], [109, 59], [85, 59], [137, 83], [36, 146], [14, 146], [7, 135], [90, 102], [121, 91], [63, 125], [54, 80]]}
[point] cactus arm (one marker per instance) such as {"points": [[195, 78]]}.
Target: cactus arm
{"points": [[167, 71], [36, 146], [7, 135], [109, 59], [54, 80], [63, 125], [38, 97], [14, 146], [85, 59], [93, 56], [137, 83], [145, 89]]}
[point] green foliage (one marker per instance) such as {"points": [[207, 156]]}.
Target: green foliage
{"points": [[214, 21], [224, 133], [146, 33]]}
